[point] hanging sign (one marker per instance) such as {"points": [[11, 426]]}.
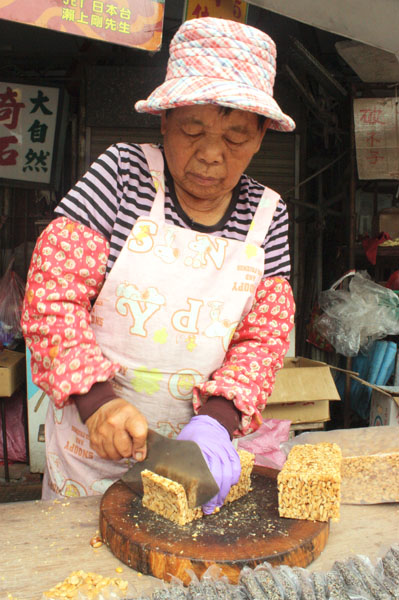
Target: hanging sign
{"points": [[234, 10], [136, 23], [28, 125], [377, 137]]}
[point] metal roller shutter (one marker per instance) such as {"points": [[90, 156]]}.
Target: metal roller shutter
{"points": [[273, 165]]}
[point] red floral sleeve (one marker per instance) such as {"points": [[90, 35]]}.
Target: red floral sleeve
{"points": [[255, 354], [66, 272]]}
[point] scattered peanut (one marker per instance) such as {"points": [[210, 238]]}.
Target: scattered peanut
{"points": [[96, 541], [92, 585]]}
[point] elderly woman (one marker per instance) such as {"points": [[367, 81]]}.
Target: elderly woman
{"points": [[159, 296]]}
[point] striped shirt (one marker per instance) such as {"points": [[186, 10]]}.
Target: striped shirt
{"points": [[118, 189]]}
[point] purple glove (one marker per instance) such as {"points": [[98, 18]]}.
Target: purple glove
{"points": [[219, 453]]}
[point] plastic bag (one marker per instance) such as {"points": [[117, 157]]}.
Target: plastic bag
{"points": [[212, 584], [265, 443], [288, 581], [353, 319], [12, 290], [374, 586], [353, 580], [370, 461], [268, 581], [313, 335], [387, 569]]}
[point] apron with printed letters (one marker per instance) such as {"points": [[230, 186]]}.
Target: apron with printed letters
{"points": [[166, 314]]}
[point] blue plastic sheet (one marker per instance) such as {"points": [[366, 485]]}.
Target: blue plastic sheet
{"points": [[376, 367]]}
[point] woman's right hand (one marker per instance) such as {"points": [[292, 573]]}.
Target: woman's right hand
{"points": [[118, 430]]}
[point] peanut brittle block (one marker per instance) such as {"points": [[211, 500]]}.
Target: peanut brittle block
{"points": [[243, 485], [309, 484], [168, 498]]}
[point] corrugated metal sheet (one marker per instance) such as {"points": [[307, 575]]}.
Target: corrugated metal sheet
{"points": [[273, 165], [102, 137]]}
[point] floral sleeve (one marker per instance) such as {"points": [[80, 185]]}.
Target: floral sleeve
{"points": [[255, 354], [66, 273]]}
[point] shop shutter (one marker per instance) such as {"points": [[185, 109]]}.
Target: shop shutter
{"points": [[273, 165], [100, 138]]}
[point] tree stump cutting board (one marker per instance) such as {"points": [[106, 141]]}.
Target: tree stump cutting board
{"points": [[248, 531]]}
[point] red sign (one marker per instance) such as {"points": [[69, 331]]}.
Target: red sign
{"points": [[136, 23]]}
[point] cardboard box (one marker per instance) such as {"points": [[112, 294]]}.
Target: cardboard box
{"points": [[384, 408], [12, 371], [302, 392]]}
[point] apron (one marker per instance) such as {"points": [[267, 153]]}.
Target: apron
{"points": [[166, 315]]}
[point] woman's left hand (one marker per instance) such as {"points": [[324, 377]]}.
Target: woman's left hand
{"points": [[218, 450]]}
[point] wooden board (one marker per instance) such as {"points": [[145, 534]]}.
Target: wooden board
{"points": [[245, 532]]}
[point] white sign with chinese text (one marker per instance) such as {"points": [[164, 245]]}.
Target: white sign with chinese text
{"points": [[377, 137], [28, 119]]}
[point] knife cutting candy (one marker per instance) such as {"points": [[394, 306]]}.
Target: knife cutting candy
{"points": [[179, 461], [159, 296]]}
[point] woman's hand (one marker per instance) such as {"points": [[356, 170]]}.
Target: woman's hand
{"points": [[221, 456], [118, 430]]}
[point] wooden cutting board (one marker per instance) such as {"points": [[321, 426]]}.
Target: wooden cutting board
{"points": [[246, 532]]}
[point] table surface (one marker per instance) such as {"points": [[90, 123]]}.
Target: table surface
{"points": [[42, 542]]}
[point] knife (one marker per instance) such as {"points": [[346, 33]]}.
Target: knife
{"points": [[178, 460]]}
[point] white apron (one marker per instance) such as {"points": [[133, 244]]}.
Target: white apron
{"points": [[166, 314]]}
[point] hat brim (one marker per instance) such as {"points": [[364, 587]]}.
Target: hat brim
{"points": [[188, 91]]}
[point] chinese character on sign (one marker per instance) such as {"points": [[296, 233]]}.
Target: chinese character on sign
{"points": [[98, 6], [39, 102], [68, 14], [373, 156], [112, 10], [36, 161], [96, 21], [125, 14], [110, 24], [10, 108], [371, 116], [8, 156], [373, 139], [124, 27], [38, 131]]}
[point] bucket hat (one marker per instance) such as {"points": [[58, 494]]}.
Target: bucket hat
{"points": [[217, 61]]}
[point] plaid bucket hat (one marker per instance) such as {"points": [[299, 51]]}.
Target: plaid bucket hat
{"points": [[217, 61]]}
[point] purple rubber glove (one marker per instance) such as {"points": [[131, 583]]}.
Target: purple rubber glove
{"points": [[219, 453]]}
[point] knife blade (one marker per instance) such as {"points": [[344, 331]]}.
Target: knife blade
{"points": [[178, 460]]}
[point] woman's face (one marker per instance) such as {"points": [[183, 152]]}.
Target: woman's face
{"points": [[207, 151]]}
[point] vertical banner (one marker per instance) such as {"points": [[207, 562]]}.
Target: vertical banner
{"points": [[377, 137], [28, 122], [234, 10], [136, 23]]}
